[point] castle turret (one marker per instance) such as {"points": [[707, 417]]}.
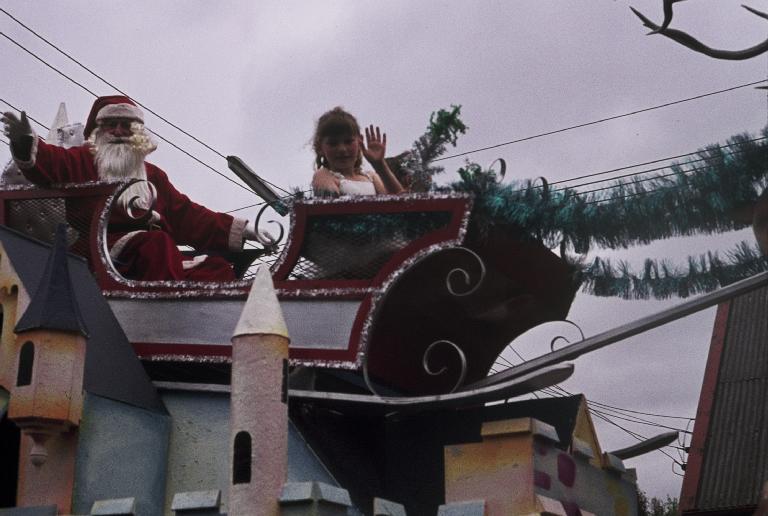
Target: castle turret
{"points": [[259, 412], [47, 396]]}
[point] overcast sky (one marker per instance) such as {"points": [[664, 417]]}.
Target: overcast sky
{"points": [[250, 79]]}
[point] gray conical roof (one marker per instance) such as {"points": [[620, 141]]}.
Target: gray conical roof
{"points": [[54, 306]]}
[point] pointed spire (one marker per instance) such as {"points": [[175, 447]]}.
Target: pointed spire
{"points": [[54, 306], [262, 313], [60, 121]]}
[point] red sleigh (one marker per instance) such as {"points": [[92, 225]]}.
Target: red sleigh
{"points": [[393, 287]]}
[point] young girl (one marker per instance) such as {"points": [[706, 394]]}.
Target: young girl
{"points": [[339, 150]]}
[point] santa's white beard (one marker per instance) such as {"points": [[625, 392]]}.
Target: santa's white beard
{"points": [[117, 159]]}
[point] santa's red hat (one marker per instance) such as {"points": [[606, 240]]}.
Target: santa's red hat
{"points": [[112, 106]]}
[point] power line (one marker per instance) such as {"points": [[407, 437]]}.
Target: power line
{"points": [[609, 410], [165, 140], [613, 178], [634, 194], [187, 153], [289, 196], [605, 406], [632, 433], [111, 85], [693, 170], [640, 412], [19, 110], [721, 147], [594, 122], [637, 436], [46, 64], [276, 186], [84, 67], [641, 421]]}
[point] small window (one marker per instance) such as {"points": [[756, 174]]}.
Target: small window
{"points": [[26, 362], [241, 461]]}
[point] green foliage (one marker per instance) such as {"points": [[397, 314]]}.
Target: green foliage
{"points": [[445, 127], [656, 506], [415, 166]]}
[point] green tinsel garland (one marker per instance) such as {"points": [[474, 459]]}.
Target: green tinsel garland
{"points": [[698, 196], [661, 280]]}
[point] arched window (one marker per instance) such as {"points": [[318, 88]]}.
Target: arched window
{"points": [[26, 362], [241, 460]]}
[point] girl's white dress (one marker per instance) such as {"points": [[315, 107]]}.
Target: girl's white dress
{"points": [[348, 187]]}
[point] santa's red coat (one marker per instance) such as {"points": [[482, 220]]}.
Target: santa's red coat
{"points": [[147, 255]]}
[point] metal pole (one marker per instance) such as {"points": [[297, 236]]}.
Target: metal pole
{"points": [[641, 325]]}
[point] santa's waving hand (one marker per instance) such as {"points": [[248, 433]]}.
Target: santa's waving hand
{"points": [[19, 132]]}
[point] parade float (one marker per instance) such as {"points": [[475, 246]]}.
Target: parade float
{"points": [[397, 308]]}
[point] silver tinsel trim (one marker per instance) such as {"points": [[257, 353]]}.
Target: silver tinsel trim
{"points": [[216, 290], [404, 198], [310, 293], [201, 359], [327, 364], [182, 289], [58, 186]]}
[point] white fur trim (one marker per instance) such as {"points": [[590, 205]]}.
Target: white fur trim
{"points": [[237, 234], [120, 111], [194, 262], [118, 246]]}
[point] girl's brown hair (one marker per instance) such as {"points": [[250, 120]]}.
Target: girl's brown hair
{"points": [[335, 122]]}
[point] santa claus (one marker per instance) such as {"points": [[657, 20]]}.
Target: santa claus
{"points": [[116, 147]]}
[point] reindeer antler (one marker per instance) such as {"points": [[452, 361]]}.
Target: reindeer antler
{"points": [[696, 45], [667, 16]]}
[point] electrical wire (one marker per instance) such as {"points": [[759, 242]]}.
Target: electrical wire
{"points": [[694, 170], [289, 196], [57, 48], [620, 415], [679, 156], [169, 142], [594, 122], [613, 178], [605, 406], [647, 171], [641, 421], [247, 189], [626, 167], [113, 86], [19, 110], [642, 413], [176, 147], [637, 436], [99, 77], [3, 34], [634, 194]]}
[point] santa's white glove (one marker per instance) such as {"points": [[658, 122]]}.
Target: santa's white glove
{"points": [[265, 238]]}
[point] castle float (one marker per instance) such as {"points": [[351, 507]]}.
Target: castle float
{"points": [[352, 376]]}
